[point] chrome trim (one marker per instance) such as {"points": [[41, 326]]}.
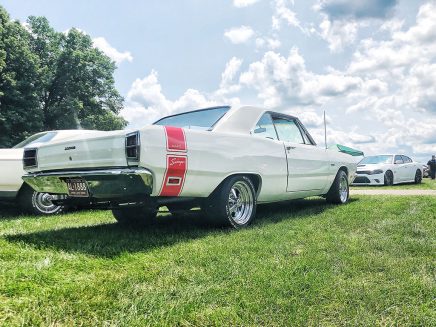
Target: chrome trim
{"points": [[116, 183]]}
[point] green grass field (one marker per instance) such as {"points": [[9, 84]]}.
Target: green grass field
{"points": [[370, 262], [427, 184]]}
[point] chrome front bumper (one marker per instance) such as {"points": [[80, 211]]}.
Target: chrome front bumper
{"points": [[116, 183]]}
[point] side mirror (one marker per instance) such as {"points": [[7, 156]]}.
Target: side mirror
{"points": [[259, 130], [398, 162]]}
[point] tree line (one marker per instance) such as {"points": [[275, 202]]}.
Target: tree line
{"points": [[53, 80]]}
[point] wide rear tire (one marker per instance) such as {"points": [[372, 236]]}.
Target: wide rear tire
{"points": [[339, 192], [233, 203], [134, 216]]}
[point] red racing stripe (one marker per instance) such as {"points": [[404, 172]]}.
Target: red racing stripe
{"points": [[174, 175], [176, 140]]}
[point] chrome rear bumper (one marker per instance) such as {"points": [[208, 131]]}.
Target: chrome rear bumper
{"points": [[116, 183]]}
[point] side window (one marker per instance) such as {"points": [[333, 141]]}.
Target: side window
{"points": [[288, 131], [406, 159], [265, 127], [398, 160]]}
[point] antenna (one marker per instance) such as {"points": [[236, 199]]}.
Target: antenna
{"points": [[325, 132]]}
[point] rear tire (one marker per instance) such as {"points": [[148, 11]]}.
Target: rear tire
{"points": [[37, 203], [233, 203], [134, 216], [418, 177], [339, 192], [389, 178]]}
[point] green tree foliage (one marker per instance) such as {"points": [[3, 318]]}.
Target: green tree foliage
{"points": [[19, 106], [52, 80]]}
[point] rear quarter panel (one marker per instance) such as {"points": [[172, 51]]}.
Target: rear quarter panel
{"points": [[212, 156]]}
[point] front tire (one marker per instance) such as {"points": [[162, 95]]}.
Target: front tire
{"points": [[339, 192], [37, 203], [134, 216], [233, 203], [418, 177], [389, 178]]}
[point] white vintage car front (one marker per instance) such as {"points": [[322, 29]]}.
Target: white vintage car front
{"points": [[225, 160], [388, 169], [12, 187]]}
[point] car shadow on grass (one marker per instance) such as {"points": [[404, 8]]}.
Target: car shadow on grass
{"points": [[110, 240]]}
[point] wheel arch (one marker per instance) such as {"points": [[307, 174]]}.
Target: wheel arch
{"points": [[255, 178]]}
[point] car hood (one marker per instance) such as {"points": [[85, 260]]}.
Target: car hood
{"points": [[361, 167]]}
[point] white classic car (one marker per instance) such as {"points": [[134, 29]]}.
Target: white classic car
{"points": [[388, 169], [12, 187], [225, 160]]}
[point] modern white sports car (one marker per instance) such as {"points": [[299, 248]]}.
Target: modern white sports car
{"points": [[388, 169], [223, 159]]}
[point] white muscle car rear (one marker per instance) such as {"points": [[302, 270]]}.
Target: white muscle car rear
{"points": [[223, 159]]}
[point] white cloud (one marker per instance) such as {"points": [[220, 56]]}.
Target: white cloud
{"points": [[244, 3], [117, 56], [282, 13], [240, 34]]}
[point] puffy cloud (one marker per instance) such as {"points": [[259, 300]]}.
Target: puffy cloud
{"points": [[283, 81], [146, 102], [282, 13], [228, 84], [240, 34], [117, 56], [244, 3]]}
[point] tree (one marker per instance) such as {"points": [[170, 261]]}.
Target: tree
{"points": [[75, 80], [52, 80], [19, 113]]}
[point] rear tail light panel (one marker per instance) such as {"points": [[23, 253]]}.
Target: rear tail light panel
{"points": [[30, 158], [133, 147]]}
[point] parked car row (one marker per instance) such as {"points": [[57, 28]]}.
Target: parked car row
{"points": [[388, 169]]}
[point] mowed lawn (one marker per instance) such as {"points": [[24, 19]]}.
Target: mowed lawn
{"points": [[370, 262], [427, 184]]}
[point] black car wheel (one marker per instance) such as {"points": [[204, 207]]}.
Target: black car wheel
{"points": [[389, 178]]}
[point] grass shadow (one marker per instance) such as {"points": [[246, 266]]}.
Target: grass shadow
{"points": [[109, 240]]}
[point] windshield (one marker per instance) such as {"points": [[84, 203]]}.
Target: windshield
{"points": [[36, 138], [376, 160], [203, 119]]}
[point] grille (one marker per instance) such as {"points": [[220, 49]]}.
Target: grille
{"points": [[364, 172], [360, 179], [30, 158], [132, 146]]}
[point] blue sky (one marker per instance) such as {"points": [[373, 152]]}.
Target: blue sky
{"points": [[370, 64]]}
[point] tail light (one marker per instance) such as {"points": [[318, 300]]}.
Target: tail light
{"points": [[133, 146], [30, 158]]}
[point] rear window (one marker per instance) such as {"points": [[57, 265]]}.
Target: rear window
{"points": [[203, 119], [36, 138]]}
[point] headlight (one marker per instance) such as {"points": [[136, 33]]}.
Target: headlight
{"points": [[377, 171]]}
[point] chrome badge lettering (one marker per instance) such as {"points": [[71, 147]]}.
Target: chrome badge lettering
{"points": [[70, 148]]}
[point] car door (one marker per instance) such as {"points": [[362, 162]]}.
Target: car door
{"points": [[400, 170], [409, 171], [308, 165]]}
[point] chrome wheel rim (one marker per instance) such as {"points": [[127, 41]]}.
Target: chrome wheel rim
{"points": [[43, 203], [343, 189], [240, 203]]}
